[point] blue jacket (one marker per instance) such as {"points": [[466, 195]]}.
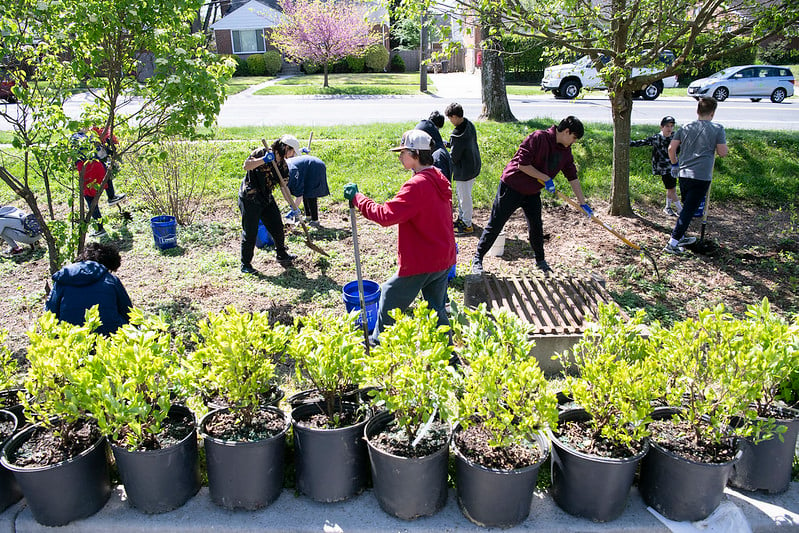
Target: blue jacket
{"points": [[307, 176], [80, 286]]}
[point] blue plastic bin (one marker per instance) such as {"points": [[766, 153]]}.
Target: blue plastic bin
{"points": [[263, 239], [165, 231], [371, 299]]}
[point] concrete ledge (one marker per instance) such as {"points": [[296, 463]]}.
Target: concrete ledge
{"points": [[292, 513]]}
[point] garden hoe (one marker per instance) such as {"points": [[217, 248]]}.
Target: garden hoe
{"points": [[287, 196], [624, 239], [702, 246], [359, 275]]}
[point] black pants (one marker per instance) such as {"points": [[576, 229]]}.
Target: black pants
{"points": [[506, 203], [311, 207], [252, 210], [693, 192]]}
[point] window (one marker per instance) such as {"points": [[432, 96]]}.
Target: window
{"points": [[248, 41]]}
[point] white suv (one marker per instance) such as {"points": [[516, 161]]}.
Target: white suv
{"points": [[565, 81]]}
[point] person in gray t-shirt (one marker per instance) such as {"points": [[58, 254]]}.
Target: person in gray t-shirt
{"points": [[698, 142]]}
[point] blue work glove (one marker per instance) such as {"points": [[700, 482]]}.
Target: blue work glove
{"points": [[294, 214], [350, 190], [675, 170], [550, 186], [268, 158], [305, 151], [588, 210]]}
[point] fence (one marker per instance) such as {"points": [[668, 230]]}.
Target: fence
{"points": [[455, 62]]}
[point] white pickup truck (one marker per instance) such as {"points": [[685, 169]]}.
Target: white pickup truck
{"points": [[566, 81]]}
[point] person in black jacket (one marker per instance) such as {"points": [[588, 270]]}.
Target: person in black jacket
{"points": [[257, 203], [441, 157], [466, 164], [89, 282], [661, 166]]}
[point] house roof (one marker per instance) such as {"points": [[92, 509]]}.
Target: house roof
{"points": [[253, 15]]}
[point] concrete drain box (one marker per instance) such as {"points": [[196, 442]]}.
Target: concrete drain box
{"points": [[556, 307]]}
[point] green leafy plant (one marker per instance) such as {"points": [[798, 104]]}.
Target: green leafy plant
{"points": [[410, 368], [704, 361], [235, 359], [9, 367], [256, 66], [273, 62], [503, 388], [134, 381], [328, 351], [376, 57], [614, 380]]}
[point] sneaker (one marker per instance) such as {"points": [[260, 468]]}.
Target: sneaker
{"points": [[314, 224], [456, 223], [116, 199], [686, 241], [285, 258], [669, 210], [676, 250], [543, 266], [98, 233], [477, 266], [461, 227], [248, 269], [17, 250]]}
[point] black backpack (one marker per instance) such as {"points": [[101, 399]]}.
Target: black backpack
{"points": [[31, 225]]}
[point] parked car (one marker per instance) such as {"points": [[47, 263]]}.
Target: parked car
{"points": [[752, 81], [565, 81]]}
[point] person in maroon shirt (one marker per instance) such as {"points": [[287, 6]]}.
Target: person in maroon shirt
{"points": [[539, 158]]}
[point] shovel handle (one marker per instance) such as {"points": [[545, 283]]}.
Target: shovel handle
{"points": [[284, 189], [359, 275]]}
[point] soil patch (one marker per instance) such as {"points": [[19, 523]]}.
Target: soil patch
{"points": [[51, 445], [229, 426], [473, 444], [677, 437], [579, 435], [173, 430], [394, 441]]}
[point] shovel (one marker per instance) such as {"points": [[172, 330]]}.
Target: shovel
{"points": [[359, 276], [287, 196], [702, 246], [596, 220]]}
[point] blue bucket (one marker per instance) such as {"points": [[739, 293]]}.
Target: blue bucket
{"points": [[165, 231], [263, 239], [371, 299], [453, 270]]}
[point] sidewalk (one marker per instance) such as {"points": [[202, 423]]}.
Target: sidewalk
{"points": [[293, 513]]}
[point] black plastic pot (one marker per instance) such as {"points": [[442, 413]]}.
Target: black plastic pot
{"points": [[766, 465], [678, 488], [245, 475], [586, 485], [406, 487], [310, 396], [332, 464], [9, 488], [271, 401], [66, 491], [161, 480], [9, 400], [496, 498]]}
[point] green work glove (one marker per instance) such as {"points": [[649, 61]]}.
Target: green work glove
{"points": [[350, 190]]}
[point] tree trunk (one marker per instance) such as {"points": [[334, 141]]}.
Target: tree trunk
{"points": [[621, 102], [422, 54], [325, 71], [492, 77]]}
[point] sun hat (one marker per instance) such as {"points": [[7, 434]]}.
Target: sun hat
{"points": [[291, 140], [667, 119], [414, 140]]}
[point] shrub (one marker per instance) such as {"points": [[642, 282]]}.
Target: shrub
{"points": [[311, 68], [523, 58], [241, 65], [356, 63], [397, 63], [339, 67], [376, 58], [9, 368], [273, 62], [256, 66], [778, 52], [741, 57], [173, 177]]}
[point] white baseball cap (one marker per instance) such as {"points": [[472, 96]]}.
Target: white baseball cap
{"points": [[291, 140], [415, 140]]}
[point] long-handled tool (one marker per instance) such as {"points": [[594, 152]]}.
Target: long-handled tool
{"points": [[359, 276], [702, 246], [596, 220], [287, 196]]}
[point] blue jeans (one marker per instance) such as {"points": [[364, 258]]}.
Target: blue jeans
{"points": [[400, 291], [693, 192]]}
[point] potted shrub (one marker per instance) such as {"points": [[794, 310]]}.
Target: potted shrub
{"points": [[329, 451], [769, 357], [245, 442], [9, 488], [692, 448], [10, 380], [408, 442], [60, 461], [135, 378], [502, 412], [597, 446]]}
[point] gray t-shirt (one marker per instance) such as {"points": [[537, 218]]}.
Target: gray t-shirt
{"points": [[698, 141]]}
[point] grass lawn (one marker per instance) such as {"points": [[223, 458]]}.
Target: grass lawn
{"points": [[239, 83], [350, 84]]}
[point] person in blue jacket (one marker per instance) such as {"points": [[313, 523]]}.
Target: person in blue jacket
{"points": [[308, 182], [441, 158], [89, 282]]}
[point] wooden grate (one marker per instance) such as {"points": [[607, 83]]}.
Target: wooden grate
{"points": [[552, 305]]}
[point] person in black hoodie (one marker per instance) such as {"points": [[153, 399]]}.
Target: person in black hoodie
{"points": [[441, 158], [89, 282], [466, 164]]}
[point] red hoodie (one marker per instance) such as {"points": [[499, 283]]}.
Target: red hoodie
{"points": [[423, 210]]}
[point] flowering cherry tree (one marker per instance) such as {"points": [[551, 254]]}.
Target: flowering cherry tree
{"points": [[322, 32]]}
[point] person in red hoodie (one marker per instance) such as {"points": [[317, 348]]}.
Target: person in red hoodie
{"points": [[426, 240]]}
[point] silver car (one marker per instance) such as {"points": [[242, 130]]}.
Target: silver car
{"points": [[752, 81]]}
